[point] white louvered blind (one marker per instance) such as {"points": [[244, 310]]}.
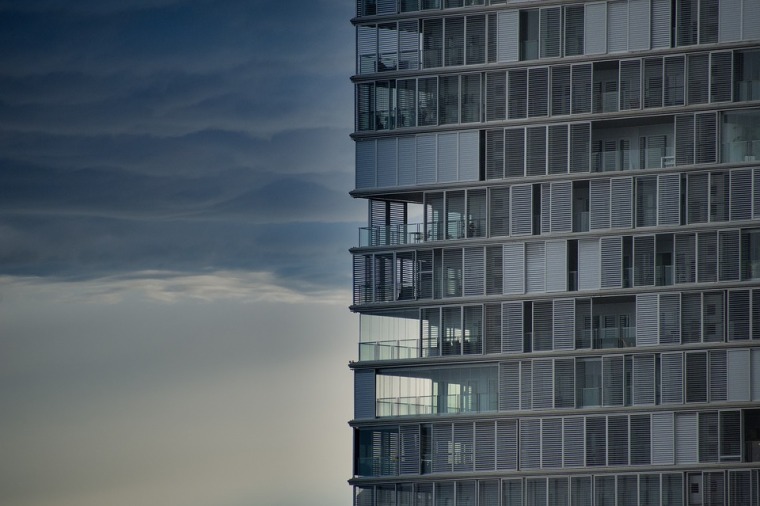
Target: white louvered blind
{"points": [[386, 162], [596, 28], [551, 442], [588, 264], [536, 151], [514, 152], [647, 319], [535, 260], [522, 209], [365, 164], [612, 262], [556, 266], [530, 443], [543, 384], [474, 266], [447, 157], [738, 365], [686, 438], [741, 195], [643, 379], [506, 444], [509, 383], [662, 438], [564, 324], [507, 41], [512, 328], [557, 149], [669, 199], [485, 446], [427, 154], [599, 204], [538, 91], [409, 449], [573, 428], [621, 213], [407, 161], [469, 156], [514, 268]]}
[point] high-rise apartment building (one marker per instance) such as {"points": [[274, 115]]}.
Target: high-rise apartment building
{"points": [[559, 283]]}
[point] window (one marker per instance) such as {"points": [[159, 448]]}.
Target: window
{"points": [[588, 381], [529, 31]]}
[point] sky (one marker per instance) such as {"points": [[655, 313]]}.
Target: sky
{"points": [[174, 266]]}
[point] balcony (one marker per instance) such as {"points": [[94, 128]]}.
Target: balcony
{"points": [[747, 90], [615, 337], [391, 350], [633, 159], [436, 404], [664, 275], [591, 396], [415, 233]]}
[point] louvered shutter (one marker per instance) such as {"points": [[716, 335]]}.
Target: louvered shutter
{"points": [[617, 440], [509, 388], [653, 82], [595, 35], [474, 266], [755, 374], [720, 76], [536, 151], [469, 156], [496, 96], [463, 446], [741, 194], [507, 41], [719, 197], [514, 268], [550, 29], [621, 190], [756, 314], [447, 157], [638, 25], [538, 91], [661, 10], [514, 152], [542, 325], [407, 154], [492, 327], [696, 377], [596, 440], [588, 264], [498, 212], [698, 81], [669, 199], [410, 449], [573, 429], [708, 438], [454, 41], [545, 217], [738, 315], [495, 154], [612, 381], [662, 438], [672, 378], [685, 264], [543, 384], [599, 204], [706, 137], [643, 379], [707, 257], [522, 209], [427, 150], [517, 106], [675, 80], [686, 438], [684, 139], [365, 164], [364, 394], [612, 262], [564, 324], [630, 84], [485, 446], [506, 445], [647, 319], [641, 440], [670, 323], [580, 147], [488, 493], [494, 275], [386, 162], [444, 492], [535, 260], [560, 90], [696, 199], [728, 249], [561, 206], [362, 279], [691, 318], [409, 43], [556, 266], [713, 317], [738, 365], [581, 88], [526, 384], [729, 25], [442, 445], [551, 443], [558, 144], [643, 260], [564, 383], [750, 20], [512, 327], [530, 443], [617, 26]]}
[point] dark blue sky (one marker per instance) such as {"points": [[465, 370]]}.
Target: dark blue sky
{"points": [[174, 274]]}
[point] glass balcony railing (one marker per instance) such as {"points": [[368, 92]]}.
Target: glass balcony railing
{"points": [[436, 404], [740, 151], [632, 159], [377, 466], [580, 221], [664, 275], [591, 396], [414, 233], [615, 337], [747, 90], [390, 350]]}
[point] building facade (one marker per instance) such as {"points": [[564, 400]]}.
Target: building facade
{"points": [[558, 285]]}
